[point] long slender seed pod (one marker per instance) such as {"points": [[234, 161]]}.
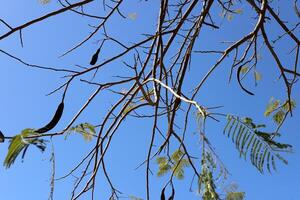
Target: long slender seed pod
{"points": [[239, 81], [54, 121], [162, 195]]}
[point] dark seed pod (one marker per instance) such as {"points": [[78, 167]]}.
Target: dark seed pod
{"points": [[2, 138], [239, 81], [95, 57], [54, 120], [162, 195]]}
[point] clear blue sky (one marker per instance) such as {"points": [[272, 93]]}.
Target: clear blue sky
{"points": [[24, 104]]}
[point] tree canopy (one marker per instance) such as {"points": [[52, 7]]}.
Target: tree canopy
{"points": [[167, 95]]}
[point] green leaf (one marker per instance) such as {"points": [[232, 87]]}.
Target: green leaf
{"points": [[244, 141], [87, 130], [239, 136], [257, 76], [235, 196], [179, 174], [271, 107], [229, 131], [163, 165], [286, 105], [239, 11], [281, 158], [176, 164], [244, 69], [253, 149], [257, 155], [237, 127], [229, 17], [177, 155], [262, 159], [249, 144], [161, 160], [279, 116], [229, 118], [163, 169], [19, 143]]}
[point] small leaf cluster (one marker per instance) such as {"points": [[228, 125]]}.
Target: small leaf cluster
{"points": [[87, 130], [175, 164], [245, 69], [278, 110]]}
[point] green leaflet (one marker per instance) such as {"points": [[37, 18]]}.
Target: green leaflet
{"points": [[164, 166], [244, 69], [238, 138], [252, 152], [257, 76], [239, 11], [286, 105], [278, 117], [235, 196], [229, 131], [237, 127], [271, 107], [262, 159], [244, 141], [87, 130], [257, 155]]}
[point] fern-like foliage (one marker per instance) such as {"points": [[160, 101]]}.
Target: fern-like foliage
{"points": [[206, 181], [20, 143], [251, 142]]}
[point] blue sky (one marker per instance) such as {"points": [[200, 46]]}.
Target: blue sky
{"points": [[24, 104]]}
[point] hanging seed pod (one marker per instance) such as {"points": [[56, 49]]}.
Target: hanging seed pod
{"points": [[239, 81], [2, 138], [54, 121], [95, 57], [162, 195]]}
